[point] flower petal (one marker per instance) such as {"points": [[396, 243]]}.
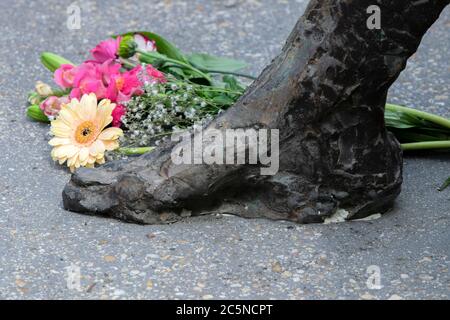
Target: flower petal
{"points": [[71, 161], [61, 133], [91, 160], [60, 129], [58, 123], [88, 107], [68, 116], [77, 162], [84, 155], [104, 111], [59, 141], [96, 148], [65, 151], [111, 144], [74, 104], [110, 134]]}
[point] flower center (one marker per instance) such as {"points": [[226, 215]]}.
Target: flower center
{"points": [[119, 83], [86, 132], [68, 76]]}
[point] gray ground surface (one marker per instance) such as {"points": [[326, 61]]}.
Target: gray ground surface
{"points": [[207, 257]]}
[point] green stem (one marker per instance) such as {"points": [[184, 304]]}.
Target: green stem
{"points": [[421, 114], [445, 185], [209, 88], [179, 63], [217, 89], [426, 145], [135, 151], [127, 63], [60, 93], [238, 74]]}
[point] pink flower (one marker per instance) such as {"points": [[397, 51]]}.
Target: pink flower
{"points": [[88, 80], [123, 86], [106, 50], [144, 44], [107, 69], [117, 114], [155, 75], [52, 105], [95, 78], [65, 75]]}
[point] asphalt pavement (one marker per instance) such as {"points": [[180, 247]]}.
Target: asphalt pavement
{"points": [[46, 252]]}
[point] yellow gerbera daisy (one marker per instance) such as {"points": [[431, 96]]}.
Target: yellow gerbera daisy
{"points": [[80, 135]]}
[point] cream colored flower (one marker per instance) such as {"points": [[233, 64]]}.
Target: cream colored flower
{"points": [[43, 89], [80, 135]]}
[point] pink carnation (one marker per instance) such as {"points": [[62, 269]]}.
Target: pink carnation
{"points": [[52, 105], [155, 75], [88, 80], [106, 50], [65, 75], [123, 86], [107, 69], [117, 114], [94, 78]]}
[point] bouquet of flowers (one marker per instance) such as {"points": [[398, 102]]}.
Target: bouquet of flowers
{"points": [[137, 88]]}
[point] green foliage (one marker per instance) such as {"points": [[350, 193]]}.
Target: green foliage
{"points": [[418, 130], [164, 46], [212, 64], [196, 68], [410, 125]]}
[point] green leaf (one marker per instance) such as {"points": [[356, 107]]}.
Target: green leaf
{"points": [[210, 63], [157, 60], [150, 60], [418, 117], [223, 100], [176, 71], [407, 136], [164, 46], [414, 126], [402, 120], [35, 113], [53, 61], [394, 120], [232, 83], [445, 185]]}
